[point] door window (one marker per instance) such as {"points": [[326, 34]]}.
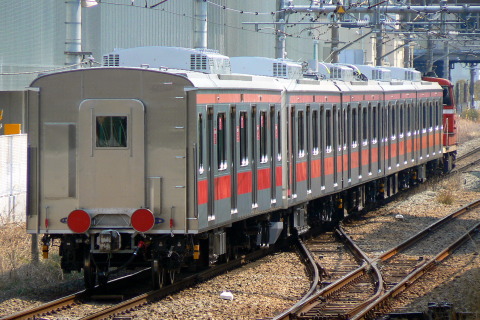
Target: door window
{"points": [[111, 131]]}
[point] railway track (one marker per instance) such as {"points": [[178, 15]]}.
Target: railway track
{"points": [[334, 297], [71, 306], [385, 277], [467, 160]]}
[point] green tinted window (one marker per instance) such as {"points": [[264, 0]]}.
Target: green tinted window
{"points": [[111, 132]]}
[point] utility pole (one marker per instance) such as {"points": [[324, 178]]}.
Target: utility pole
{"points": [[378, 36], [407, 62], [280, 52], [429, 66], [446, 48], [473, 69], [335, 41]]}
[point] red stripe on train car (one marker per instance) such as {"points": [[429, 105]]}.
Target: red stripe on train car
{"points": [[393, 150], [264, 179], [301, 171], [223, 187], [409, 145], [279, 176], [244, 182], [329, 165], [310, 98], [402, 147], [316, 168], [374, 155], [365, 160], [202, 192], [393, 96], [355, 160], [273, 98], [344, 163], [236, 98]]}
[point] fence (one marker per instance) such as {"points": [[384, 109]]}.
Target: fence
{"points": [[13, 178]]}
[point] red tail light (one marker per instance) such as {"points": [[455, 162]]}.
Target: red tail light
{"points": [[142, 220], [79, 221]]}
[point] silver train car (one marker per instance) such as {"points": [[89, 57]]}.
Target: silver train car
{"points": [[136, 166]]}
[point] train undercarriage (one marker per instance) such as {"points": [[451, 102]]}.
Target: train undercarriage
{"points": [[109, 252]]}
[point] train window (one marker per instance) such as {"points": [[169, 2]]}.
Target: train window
{"points": [[393, 121], [409, 118], [374, 125], [438, 115], [424, 117], [301, 135], [263, 137], [354, 128], [346, 128], [200, 144], [221, 142], [337, 127], [111, 131], [243, 139], [328, 130], [315, 132], [402, 127], [430, 114], [447, 99], [364, 126], [278, 133]]}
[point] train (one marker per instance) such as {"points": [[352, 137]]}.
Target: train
{"points": [[177, 158]]}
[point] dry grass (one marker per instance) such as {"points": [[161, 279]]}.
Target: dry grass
{"points": [[17, 271], [467, 130]]}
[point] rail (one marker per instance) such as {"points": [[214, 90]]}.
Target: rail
{"points": [[365, 310]]}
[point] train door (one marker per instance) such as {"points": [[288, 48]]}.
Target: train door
{"points": [[234, 131], [300, 152], [423, 128], [353, 144], [254, 158], [308, 151], [338, 136], [397, 134], [329, 150], [111, 159], [263, 175], [244, 182], [431, 135], [219, 175], [381, 133], [209, 164], [273, 154], [408, 132], [389, 135], [344, 155], [292, 173], [315, 152], [369, 127], [402, 137], [202, 164]]}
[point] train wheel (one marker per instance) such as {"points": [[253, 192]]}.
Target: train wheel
{"points": [[171, 274], [158, 275], [89, 272]]}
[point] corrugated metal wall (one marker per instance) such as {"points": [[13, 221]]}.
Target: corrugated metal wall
{"points": [[32, 38], [33, 32]]}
